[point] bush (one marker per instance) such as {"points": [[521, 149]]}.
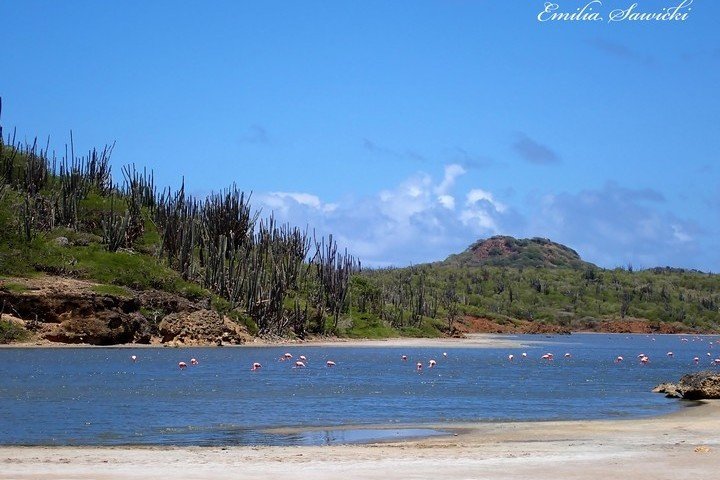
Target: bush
{"points": [[11, 332]]}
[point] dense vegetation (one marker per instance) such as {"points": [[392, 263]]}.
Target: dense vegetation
{"points": [[573, 299], [66, 216], [511, 281]]}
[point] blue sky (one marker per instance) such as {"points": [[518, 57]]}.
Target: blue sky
{"points": [[407, 128]]}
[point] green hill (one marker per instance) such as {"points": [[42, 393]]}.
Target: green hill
{"points": [[503, 284]]}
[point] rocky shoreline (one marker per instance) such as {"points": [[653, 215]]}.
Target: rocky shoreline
{"points": [[693, 386], [68, 311]]}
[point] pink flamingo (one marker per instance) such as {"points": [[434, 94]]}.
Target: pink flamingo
{"points": [[193, 361], [432, 363], [287, 355], [302, 358], [619, 359], [182, 365], [256, 366], [644, 360], [418, 366], [299, 364]]}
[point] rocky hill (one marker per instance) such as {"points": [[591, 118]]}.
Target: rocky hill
{"points": [[504, 251]]}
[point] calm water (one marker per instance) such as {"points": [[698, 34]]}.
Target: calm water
{"points": [[98, 396]]}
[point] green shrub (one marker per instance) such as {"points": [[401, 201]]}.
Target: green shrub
{"points": [[11, 332]]}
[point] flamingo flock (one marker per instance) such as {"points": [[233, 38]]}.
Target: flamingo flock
{"points": [[643, 359]]}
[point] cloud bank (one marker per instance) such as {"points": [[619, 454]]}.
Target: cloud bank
{"points": [[424, 219]]}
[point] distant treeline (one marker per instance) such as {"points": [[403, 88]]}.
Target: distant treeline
{"points": [[574, 298]]}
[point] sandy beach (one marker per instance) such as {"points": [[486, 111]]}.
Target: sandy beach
{"points": [[685, 444], [473, 340]]}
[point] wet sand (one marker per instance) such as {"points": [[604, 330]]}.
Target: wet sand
{"points": [[685, 444]]}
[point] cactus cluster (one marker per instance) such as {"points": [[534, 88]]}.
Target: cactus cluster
{"points": [[275, 274]]}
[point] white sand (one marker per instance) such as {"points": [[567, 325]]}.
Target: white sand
{"points": [[474, 340], [681, 445]]}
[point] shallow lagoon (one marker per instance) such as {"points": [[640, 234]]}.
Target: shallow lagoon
{"points": [[98, 396]]}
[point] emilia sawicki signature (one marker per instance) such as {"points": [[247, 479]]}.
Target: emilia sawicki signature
{"points": [[596, 11]]}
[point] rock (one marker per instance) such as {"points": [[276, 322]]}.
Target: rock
{"points": [[693, 386], [67, 310], [106, 327], [669, 389], [164, 301], [696, 386], [62, 241], [202, 327]]}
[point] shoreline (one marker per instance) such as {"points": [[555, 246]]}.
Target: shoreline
{"points": [[476, 340], [681, 443], [471, 340]]}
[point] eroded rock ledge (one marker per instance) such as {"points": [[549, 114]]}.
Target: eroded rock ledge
{"points": [[71, 311], [693, 386]]}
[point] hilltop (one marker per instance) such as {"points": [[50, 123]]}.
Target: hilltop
{"points": [[504, 251]]}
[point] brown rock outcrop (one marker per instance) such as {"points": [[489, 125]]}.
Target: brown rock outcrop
{"points": [[693, 386], [201, 327], [106, 327], [669, 389], [72, 311]]}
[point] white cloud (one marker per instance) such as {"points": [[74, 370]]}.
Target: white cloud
{"points": [[419, 220], [477, 195], [452, 172], [415, 221], [282, 201], [680, 235], [481, 210], [480, 219], [447, 201]]}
